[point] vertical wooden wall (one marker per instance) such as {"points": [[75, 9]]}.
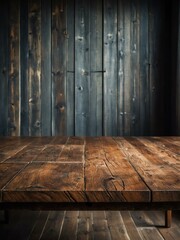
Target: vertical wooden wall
{"points": [[81, 67]]}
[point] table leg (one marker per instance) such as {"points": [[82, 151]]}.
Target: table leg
{"points": [[168, 218]]}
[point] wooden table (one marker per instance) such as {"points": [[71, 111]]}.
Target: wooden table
{"points": [[88, 173]]}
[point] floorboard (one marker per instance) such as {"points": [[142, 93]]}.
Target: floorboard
{"points": [[84, 225]]}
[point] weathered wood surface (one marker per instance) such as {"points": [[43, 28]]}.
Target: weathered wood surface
{"points": [[88, 68], [103, 225], [90, 169]]}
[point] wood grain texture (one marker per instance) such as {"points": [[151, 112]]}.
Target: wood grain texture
{"points": [[34, 68], [144, 68], [89, 68], [7, 172], [107, 169], [82, 67], [24, 49], [70, 74], [110, 64], [96, 69], [46, 97], [59, 44], [91, 169], [14, 108], [160, 177], [127, 74], [47, 182], [4, 52]]}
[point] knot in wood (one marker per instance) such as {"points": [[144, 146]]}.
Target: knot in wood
{"points": [[37, 124], [80, 88]]}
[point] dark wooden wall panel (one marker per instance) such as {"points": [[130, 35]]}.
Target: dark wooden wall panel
{"points": [[82, 66], [88, 67], [135, 70], [14, 107], [34, 67], [96, 69], [46, 83], [70, 91], [59, 46], [110, 66], [4, 50], [127, 70], [144, 66], [24, 52]]}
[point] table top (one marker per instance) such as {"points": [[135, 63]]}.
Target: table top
{"points": [[89, 169]]}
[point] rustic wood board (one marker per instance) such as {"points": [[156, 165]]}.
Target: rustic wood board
{"points": [[90, 169], [89, 67], [34, 67], [159, 176], [7, 172], [108, 170], [59, 44], [47, 182]]}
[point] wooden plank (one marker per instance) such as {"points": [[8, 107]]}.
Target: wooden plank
{"points": [[173, 139], [144, 69], [85, 222], [100, 227], [96, 69], [14, 74], [34, 68], [24, 67], [116, 225], [135, 67], [82, 67], [106, 174], [110, 64], [120, 62], [47, 182], [8, 141], [127, 73], [76, 140], [53, 225], [156, 174], [50, 153], [70, 223], [163, 153], [162, 143], [26, 154], [38, 141], [59, 140], [148, 233], [59, 44], [4, 68], [46, 86], [7, 172], [8, 151], [39, 225], [130, 226], [70, 152], [70, 89]]}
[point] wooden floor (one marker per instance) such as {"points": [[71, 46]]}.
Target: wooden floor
{"points": [[100, 225]]}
